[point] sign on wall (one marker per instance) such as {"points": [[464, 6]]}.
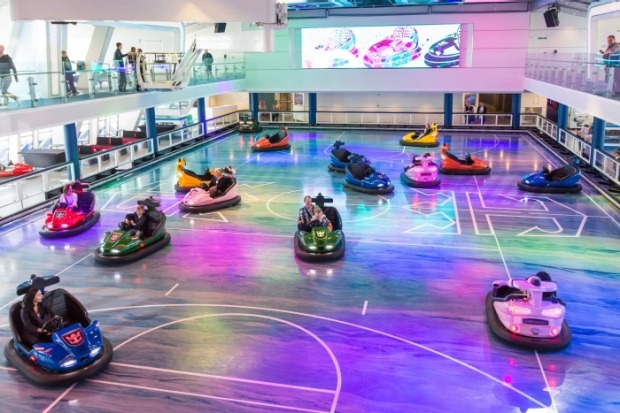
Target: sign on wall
{"points": [[384, 47]]}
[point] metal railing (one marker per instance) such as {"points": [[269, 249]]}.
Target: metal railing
{"points": [[588, 73], [602, 161], [24, 192]]}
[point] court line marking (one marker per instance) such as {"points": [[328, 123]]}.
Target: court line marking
{"points": [[331, 144], [499, 248], [58, 273], [361, 240], [8, 368], [171, 290], [108, 201], [204, 396], [604, 212], [225, 378], [308, 332], [365, 307], [59, 398], [346, 323], [542, 370], [23, 224]]}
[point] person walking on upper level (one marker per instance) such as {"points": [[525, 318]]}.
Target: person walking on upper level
{"points": [[67, 68], [120, 67], [6, 65]]}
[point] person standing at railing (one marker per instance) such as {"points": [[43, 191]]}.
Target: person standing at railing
{"points": [[6, 65], [276, 108], [482, 110], [67, 68], [612, 49], [143, 68], [207, 61], [120, 67]]}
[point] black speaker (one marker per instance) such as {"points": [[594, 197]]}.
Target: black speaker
{"points": [[551, 18], [220, 27]]}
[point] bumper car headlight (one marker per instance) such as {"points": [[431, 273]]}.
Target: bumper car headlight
{"points": [[95, 351], [68, 363], [553, 312], [312, 247], [115, 251], [329, 247], [526, 182]]}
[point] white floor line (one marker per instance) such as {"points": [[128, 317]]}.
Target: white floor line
{"points": [[333, 320], [109, 200], [74, 264], [542, 370], [604, 212], [365, 307], [171, 290], [10, 303], [7, 368], [204, 396], [225, 378], [21, 225], [499, 248], [59, 398]]}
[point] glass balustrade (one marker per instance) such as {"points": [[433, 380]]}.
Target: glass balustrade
{"points": [[37, 88], [589, 73]]}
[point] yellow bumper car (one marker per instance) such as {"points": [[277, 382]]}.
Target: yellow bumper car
{"points": [[426, 139]]}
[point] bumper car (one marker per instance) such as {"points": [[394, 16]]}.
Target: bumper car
{"points": [[66, 222], [563, 180], [339, 157], [426, 139], [120, 247], [395, 50], [421, 173], [321, 244], [187, 180], [444, 53], [339, 50], [247, 124], [528, 313], [77, 349], [362, 177], [272, 142], [7, 171], [200, 200], [471, 165]]}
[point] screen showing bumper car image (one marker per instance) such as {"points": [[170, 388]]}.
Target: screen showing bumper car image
{"points": [[383, 47]]}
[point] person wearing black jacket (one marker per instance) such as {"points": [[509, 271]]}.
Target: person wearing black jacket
{"points": [[135, 222], [120, 67], [34, 315], [222, 183], [6, 65]]}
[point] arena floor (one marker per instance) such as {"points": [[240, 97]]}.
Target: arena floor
{"points": [[226, 319]]}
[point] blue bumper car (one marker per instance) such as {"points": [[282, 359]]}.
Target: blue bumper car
{"points": [[563, 180], [340, 157], [75, 349], [360, 176]]}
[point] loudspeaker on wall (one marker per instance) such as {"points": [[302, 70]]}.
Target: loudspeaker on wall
{"points": [[551, 18]]}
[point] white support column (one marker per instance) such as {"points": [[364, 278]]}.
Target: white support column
{"points": [[99, 43]]}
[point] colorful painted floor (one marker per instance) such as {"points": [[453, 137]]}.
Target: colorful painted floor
{"points": [[226, 319]]}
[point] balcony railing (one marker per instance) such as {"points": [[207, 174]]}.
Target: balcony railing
{"points": [[588, 73], [50, 88]]}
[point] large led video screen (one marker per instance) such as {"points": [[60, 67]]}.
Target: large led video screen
{"points": [[384, 47]]}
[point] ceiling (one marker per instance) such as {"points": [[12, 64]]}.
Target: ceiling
{"points": [[578, 7]]}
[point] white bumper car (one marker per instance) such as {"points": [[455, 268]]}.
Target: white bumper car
{"points": [[528, 313]]}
